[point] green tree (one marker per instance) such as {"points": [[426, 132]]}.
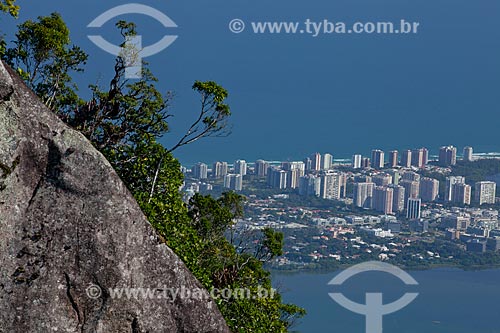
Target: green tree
{"points": [[9, 6], [261, 309], [43, 57]]}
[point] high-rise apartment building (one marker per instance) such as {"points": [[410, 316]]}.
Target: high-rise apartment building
{"points": [[308, 163], [450, 181], [294, 170], [412, 189], [468, 151], [447, 156], [331, 185], [398, 198], [429, 189], [393, 158], [414, 208], [485, 192], [240, 167], [292, 178], [219, 169], [383, 199], [362, 194], [277, 178], [395, 176], [426, 156], [300, 166], [200, 171], [461, 193], [343, 185], [365, 163], [377, 159], [233, 182], [261, 167], [316, 162], [327, 161], [356, 161], [418, 158], [406, 159], [310, 185], [382, 179]]}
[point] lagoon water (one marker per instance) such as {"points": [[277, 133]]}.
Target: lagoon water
{"points": [[449, 301]]}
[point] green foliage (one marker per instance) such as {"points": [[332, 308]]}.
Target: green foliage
{"points": [[3, 47], [127, 113], [210, 217], [213, 118], [9, 6], [273, 242], [43, 57], [261, 310], [124, 121]]}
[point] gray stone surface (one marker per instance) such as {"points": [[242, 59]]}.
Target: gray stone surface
{"points": [[69, 227]]}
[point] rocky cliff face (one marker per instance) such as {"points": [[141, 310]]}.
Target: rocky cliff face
{"points": [[71, 236]]}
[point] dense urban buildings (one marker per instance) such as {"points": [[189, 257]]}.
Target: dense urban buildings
{"points": [[388, 189], [397, 202]]}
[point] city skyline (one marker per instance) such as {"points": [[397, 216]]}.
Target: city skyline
{"points": [[428, 156], [389, 187]]}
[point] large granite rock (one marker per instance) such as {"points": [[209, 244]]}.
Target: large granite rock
{"points": [[70, 232]]}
